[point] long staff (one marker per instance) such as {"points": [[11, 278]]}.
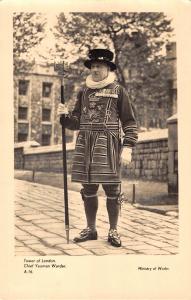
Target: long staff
{"points": [[60, 69]]}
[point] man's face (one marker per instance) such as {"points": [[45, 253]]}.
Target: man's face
{"points": [[99, 71]]}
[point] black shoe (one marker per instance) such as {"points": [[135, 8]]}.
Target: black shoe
{"points": [[86, 235], [114, 238]]}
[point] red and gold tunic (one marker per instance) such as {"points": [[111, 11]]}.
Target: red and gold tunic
{"points": [[98, 115]]}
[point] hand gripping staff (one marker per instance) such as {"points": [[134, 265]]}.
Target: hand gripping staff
{"points": [[59, 68]]}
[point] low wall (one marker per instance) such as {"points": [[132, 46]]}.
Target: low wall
{"points": [[149, 159], [48, 159], [173, 155], [18, 158]]}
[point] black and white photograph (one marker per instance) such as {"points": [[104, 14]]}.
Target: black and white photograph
{"points": [[95, 133], [95, 149]]}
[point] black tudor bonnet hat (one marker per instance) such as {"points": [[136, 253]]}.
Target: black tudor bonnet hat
{"points": [[100, 55]]}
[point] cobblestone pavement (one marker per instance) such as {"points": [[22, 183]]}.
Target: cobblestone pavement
{"points": [[39, 226]]}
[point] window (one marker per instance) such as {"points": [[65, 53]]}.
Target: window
{"points": [[46, 89], [23, 87], [22, 114], [22, 137], [46, 114], [45, 139]]}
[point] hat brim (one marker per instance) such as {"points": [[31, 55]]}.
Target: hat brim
{"points": [[89, 62]]}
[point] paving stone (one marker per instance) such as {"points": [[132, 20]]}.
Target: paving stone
{"points": [[26, 253], [29, 228], [40, 233], [55, 215], [100, 251], [54, 240], [112, 251], [19, 232], [78, 252], [131, 243], [141, 247], [47, 220], [18, 244], [22, 223], [172, 250], [153, 252], [23, 249], [55, 227], [33, 217], [173, 243], [158, 244], [95, 244], [65, 246], [23, 237], [57, 230], [31, 241], [52, 252], [128, 251], [40, 247]]}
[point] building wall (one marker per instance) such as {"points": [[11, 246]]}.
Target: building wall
{"points": [[33, 126]]}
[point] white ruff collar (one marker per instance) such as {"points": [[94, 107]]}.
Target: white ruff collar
{"points": [[100, 84]]}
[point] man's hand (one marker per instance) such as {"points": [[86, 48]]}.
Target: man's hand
{"points": [[126, 154], [62, 109]]}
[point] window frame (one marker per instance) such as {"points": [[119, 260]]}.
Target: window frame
{"points": [[44, 93], [21, 113], [22, 134], [46, 117], [26, 88], [42, 140]]}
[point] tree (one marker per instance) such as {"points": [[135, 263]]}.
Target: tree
{"points": [[28, 31], [140, 31], [137, 40]]}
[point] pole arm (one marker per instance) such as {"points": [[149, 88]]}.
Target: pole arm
{"points": [[59, 68], [66, 208]]}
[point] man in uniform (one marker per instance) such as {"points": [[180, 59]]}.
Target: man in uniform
{"points": [[102, 107]]}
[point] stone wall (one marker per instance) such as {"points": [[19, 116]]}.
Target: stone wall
{"points": [[18, 158], [173, 155], [149, 160], [47, 159], [48, 162]]}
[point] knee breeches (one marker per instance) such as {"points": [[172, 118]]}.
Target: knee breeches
{"points": [[111, 190]]}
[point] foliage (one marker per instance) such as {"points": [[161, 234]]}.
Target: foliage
{"points": [[28, 31], [137, 40]]}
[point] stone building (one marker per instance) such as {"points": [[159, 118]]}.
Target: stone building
{"points": [[36, 98]]}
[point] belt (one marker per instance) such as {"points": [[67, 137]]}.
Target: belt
{"points": [[99, 126]]}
